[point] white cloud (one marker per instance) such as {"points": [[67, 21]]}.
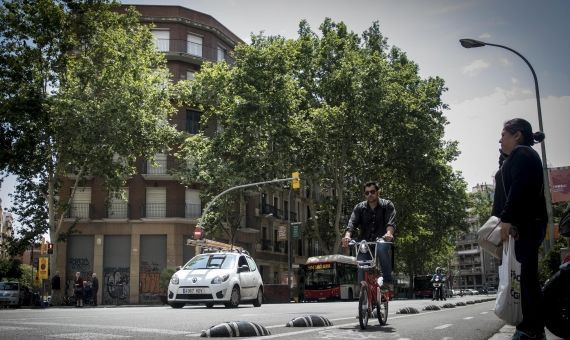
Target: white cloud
{"points": [[485, 36], [476, 123], [475, 67], [505, 61]]}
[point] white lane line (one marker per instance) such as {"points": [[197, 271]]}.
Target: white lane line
{"points": [[484, 312], [107, 327], [468, 318], [88, 336], [444, 326], [13, 328]]}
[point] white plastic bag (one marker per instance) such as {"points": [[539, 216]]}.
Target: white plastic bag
{"points": [[508, 306]]}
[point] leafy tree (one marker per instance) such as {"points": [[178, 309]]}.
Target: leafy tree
{"points": [[343, 109], [10, 268], [83, 91]]}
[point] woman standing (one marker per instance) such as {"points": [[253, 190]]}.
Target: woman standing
{"points": [[78, 290], [520, 203]]}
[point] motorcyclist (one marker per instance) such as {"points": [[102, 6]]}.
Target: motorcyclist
{"points": [[438, 277], [375, 218]]}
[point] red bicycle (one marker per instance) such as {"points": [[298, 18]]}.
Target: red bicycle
{"points": [[372, 299]]}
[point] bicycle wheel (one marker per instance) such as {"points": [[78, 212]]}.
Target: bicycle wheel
{"points": [[382, 312], [363, 307]]}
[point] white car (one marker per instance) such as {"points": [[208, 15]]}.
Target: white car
{"points": [[217, 278]]}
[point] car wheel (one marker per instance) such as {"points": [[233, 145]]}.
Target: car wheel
{"points": [[257, 302], [234, 298], [209, 305], [176, 305]]}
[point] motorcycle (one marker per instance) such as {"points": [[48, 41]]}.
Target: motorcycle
{"points": [[438, 283]]}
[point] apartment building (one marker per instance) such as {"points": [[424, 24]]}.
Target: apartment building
{"points": [[129, 241], [474, 268], [6, 229]]}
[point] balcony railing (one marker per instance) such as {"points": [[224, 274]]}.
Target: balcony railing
{"points": [[118, 210], [268, 209], [79, 210], [191, 48], [162, 210]]}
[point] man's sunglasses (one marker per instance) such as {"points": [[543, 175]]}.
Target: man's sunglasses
{"points": [[371, 192]]}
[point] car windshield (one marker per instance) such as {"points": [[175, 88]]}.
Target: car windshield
{"points": [[211, 261], [8, 286]]}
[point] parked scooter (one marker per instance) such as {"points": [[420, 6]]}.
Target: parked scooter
{"points": [[438, 283]]}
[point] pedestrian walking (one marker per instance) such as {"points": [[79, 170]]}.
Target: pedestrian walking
{"points": [[78, 285], [56, 289], [94, 287], [520, 203]]}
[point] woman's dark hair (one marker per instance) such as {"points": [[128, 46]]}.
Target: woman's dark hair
{"points": [[370, 184], [518, 124]]}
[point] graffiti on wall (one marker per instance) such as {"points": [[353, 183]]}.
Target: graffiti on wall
{"points": [[116, 286], [149, 288]]}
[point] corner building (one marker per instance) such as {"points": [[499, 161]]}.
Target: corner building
{"points": [[129, 242]]}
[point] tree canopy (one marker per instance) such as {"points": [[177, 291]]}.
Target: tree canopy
{"points": [[83, 91], [343, 109]]}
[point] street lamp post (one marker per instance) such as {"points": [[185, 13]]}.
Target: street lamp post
{"points": [[471, 43]]}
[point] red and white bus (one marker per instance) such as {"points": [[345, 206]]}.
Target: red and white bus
{"points": [[331, 277]]}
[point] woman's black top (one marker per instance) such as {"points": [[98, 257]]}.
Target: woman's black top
{"points": [[519, 196]]}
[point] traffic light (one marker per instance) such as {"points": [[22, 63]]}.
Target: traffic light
{"points": [[50, 248], [199, 233], [296, 182]]}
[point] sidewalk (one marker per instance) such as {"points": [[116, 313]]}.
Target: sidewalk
{"points": [[507, 332]]}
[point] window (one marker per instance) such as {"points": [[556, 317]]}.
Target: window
{"points": [[194, 44], [190, 75], [158, 166], [221, 53], [251, 263], [155, 202], [193, 204], [118, 204], [193, 121], [81, 202], [161, 40]]}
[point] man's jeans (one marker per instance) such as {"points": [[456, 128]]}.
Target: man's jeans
{"points": [[383, 261]]}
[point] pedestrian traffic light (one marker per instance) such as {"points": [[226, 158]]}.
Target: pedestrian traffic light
{"points": [[198, 233], [50, 248], [296, 182]]}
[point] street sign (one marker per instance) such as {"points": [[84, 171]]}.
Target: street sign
{"points": [[43, 268], [282, 233], [295, 231]]}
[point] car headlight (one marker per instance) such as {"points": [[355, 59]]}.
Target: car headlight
{"points": [[219, 279], [174, 280]]}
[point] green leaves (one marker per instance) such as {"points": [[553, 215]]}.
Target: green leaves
{"points": [[343, 110], [85, 91]]}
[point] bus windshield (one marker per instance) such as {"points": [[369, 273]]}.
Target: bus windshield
{"points": [[320, 275]]}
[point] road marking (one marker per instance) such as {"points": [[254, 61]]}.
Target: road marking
{"points": [[444, 326], [88, 336], [468, 318], [484, 312], [13, 328], [107, 327]]}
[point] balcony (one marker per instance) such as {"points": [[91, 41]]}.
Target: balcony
{"points": [[268, 209], [162, 210], [184, 50], [80, 210], [118, 211], [159, 167]]}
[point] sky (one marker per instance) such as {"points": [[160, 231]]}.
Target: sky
{"points": [[486, 85]]}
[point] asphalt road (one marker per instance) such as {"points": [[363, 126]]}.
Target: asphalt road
{"points": [[474, 321]]}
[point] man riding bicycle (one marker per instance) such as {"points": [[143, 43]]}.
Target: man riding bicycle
{"points": [[374, 218]]}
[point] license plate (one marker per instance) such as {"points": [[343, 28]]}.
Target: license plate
{"points": [[195, 290]]}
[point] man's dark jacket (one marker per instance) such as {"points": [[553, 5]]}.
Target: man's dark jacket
{"points": [[372, 223]]}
